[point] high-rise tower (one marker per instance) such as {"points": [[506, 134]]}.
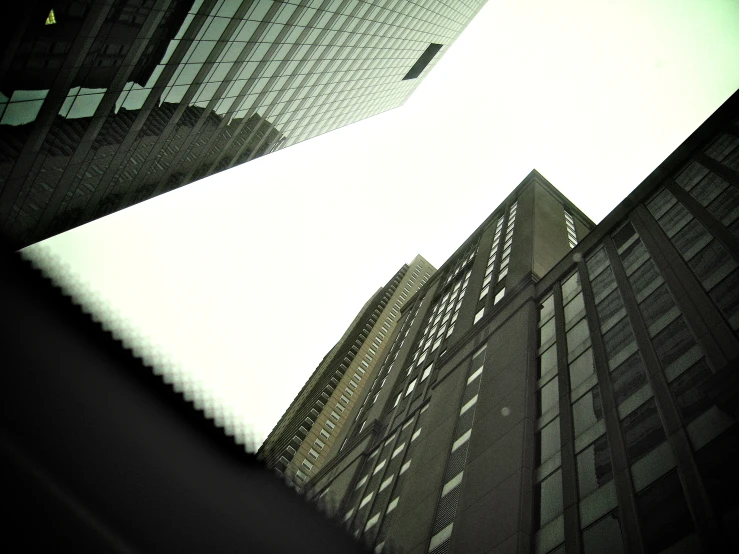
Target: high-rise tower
{"points": [[563, 386], [315, 425], [104, 104]]}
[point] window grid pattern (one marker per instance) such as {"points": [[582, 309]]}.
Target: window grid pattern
{"points": [[241, 80], [713, 193], [571, 233], [440, 324], [714, 267], [454, 472], [486, 283], [407, 436], [505, 256]]}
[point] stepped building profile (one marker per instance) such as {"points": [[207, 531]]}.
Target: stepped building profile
{"points": [[557, 386]]}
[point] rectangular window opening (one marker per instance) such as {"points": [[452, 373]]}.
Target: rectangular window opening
{"points": [[423, 61]]}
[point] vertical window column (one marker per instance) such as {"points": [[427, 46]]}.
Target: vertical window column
{"points": [[446, 510], [548, 522], [570, 225], [662, 338]]}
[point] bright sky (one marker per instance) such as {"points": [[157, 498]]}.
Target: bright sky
{"points": [[241, 282]]}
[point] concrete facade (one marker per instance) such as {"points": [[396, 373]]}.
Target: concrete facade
{"points": [[586, 400]]}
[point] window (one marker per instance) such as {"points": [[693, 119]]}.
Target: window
{"points": [[349, 391], [372, 521], [546, 332], [313, 454], [582, 368], [361, 482], [548, 498], [577, 336], [319, 444], [397, 399], [324, 434], [664, 515], [339, 407], [468, 405], [587, 411], [607, 531], [452, 484], [499, 296], [642, 430], [548, 443], [307, 465], [330, 425], [335, 416], [548, 360], [366, 500], [594, 467], [548, 397], [411, 386], [301, 476], [628, 378], [461, 440], [427, 372], [344, 399], [51, 19], [478, 315]]}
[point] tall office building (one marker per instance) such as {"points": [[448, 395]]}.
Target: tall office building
{"points": [[563, 386], [106, 103], [315, 425]]}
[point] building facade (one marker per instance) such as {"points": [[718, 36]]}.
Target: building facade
{"points": [[106, 103], [315, 425], [558, 386]]}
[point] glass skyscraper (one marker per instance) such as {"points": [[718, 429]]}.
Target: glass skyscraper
{"points": [[106, 103]]}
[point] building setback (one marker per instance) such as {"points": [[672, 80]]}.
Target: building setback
{"points": [[315, 425], [560, 386], [106, 103]]}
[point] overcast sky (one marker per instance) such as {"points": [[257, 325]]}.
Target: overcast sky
{"points": [[240, 283]]}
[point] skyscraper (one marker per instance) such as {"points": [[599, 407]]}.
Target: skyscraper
{"points": [[104, 104], [315, 425], [563, 386]]}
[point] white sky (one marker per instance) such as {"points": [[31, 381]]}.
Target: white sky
{"points": [[243, 281]]}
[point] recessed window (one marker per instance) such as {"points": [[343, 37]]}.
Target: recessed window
{"points": [[366, 500], [478, 315], [422, 61], [301, 476], [319, 444], [307, 465], [461, 440], [335, 416], [372, 521], [427, 372], [324, 434], [499, 296], [313, 454]]}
